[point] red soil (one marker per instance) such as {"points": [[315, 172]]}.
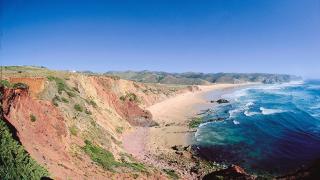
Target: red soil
{"points": [[36, 84]]}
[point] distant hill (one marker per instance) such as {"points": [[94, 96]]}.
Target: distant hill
{"points": [[190, 78]]}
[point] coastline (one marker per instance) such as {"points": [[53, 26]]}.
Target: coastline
{"points": [[153, 145]]}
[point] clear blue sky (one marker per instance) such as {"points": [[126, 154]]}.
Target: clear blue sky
{"points": [[276, 36]]}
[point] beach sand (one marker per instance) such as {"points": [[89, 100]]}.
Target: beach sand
{"points": [[173, 115]]}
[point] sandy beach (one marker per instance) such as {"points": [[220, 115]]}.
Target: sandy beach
{"points": [[147, 144]]}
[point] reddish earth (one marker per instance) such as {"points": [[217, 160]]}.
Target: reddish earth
{"points": [[128, 110], [36, 84], [47, 139]]}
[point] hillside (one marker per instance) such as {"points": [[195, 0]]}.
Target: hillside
{"points": [[191, 78], [72, 124]]}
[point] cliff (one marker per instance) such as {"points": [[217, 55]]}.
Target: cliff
{"points": [[63, 119]]}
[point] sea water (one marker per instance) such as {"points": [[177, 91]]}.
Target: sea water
{"points": [[266, 128]]}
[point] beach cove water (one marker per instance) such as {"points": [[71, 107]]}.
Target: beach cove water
{"points": [[266, 128]]}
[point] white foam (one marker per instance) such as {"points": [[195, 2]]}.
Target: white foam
{"points": [[247, 113], [236, 122], [249, 104], [266, 111], [233, 112], [236, 94]]}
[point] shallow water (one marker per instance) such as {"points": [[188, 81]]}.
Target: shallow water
{"points": [[267, 128]]}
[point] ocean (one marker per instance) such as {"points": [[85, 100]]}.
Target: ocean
{"points": [[273, 129]]}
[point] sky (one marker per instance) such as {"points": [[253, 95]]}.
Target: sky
{"points": [[272, 36]]}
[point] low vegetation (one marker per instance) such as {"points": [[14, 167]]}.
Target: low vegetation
{"points": [[106, 159], [93, 103], [129, 97], [20, 86], [64, 100], [171, 173], [61, 86], [32, 118], [77, 107], [119, 130], [73, 130], [195, 122], [55, 100], [5, 83], [15, 162]]}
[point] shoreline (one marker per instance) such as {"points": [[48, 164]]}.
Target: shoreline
{"points": [[153, 145]]}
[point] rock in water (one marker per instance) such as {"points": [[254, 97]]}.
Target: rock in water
{"points": [[232, 172], [220, 101]]}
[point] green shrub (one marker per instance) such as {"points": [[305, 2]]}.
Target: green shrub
{"points": [[195, 122], [73, 130], [20, 86], [64, 100], [78, 107], [93, 104], [119, 130], [70, 94], [130, 97], [15, 162], [171, 173], [5, 83], [32, 118]]}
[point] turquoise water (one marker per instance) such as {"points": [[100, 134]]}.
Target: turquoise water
{"points": [[267, 128]]}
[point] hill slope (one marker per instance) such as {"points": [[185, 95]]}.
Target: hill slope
{"points": [[191, 78]]}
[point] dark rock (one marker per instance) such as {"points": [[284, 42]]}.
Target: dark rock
{"points": [[220, 101], [177, 148], [195, 169], [232, 172], [217, 119]]}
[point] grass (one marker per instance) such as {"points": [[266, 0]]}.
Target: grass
{"points": [[77, 107], [15, 162], [171, 173], [195, 122], [101, 156], [73, 130], [32, 118], [106, 159]]}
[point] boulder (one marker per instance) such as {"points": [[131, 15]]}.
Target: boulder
{"points": [[220, 101]]}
